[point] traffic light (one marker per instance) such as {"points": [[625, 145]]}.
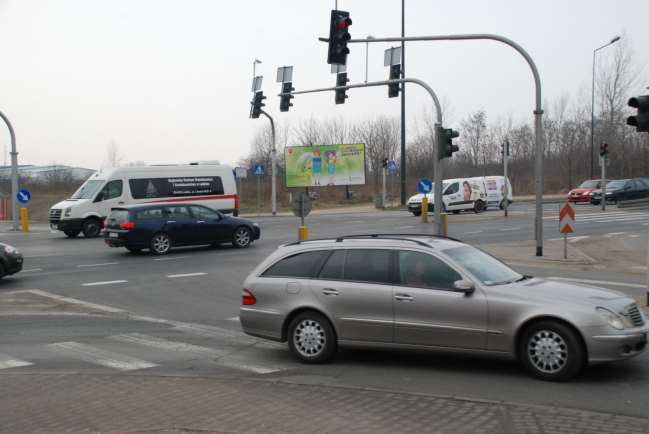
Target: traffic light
{"points": [[603, 150], [384, 163], [341, 94], [257, 104], [446, 148], [395, 73], [641, 120], [338, 37], [285, 100]]}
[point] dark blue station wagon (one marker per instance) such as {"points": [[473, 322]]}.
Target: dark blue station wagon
{"points": [[163, 226]]}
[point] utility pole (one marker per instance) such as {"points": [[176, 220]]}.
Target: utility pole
{"points": [[273, 164], [505, 181], [14, 173], [403, 104]]}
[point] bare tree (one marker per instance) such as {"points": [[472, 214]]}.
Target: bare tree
{"points": [[113, 155]]}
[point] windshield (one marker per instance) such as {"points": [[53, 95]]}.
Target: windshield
{"points": [[589, 184], [615, 184], [88, 190], [488, 269]]}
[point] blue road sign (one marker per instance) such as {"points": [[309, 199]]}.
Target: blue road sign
{"points": [[23, 196], [259, 169], [425, 186], [392, 167]]}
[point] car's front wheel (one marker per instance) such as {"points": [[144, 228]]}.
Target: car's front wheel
{"points": [[552, 351], [416, 213], [478, 207], [160, 244], [242, 237], [91, 228], [311, 338]]}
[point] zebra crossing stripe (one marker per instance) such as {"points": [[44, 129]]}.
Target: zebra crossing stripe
{"points": [[6, 362], [101, 357], [164, 344]]}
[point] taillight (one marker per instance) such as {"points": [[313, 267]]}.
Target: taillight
{"points": [[127, 225], [247, 297]]}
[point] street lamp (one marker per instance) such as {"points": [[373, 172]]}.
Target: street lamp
{"points": [[367, 46], [592, 107]]}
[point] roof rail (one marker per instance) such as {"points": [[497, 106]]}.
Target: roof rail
{"points": [[392, 235]]}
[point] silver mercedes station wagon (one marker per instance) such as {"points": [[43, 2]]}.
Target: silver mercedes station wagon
{"points": [[425, 292]]}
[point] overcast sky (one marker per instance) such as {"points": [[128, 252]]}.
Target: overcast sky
{"points": [[169, 81]]}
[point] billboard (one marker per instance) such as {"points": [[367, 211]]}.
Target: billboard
{"points": [[313, 166]]}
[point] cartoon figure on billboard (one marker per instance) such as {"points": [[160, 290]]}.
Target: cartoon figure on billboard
{"points": [[331, 166], [316, 167]]}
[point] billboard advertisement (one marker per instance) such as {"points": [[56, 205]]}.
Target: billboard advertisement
{"points": [[313, 166]]}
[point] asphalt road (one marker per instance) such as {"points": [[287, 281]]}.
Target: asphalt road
{"points": [[177, 315]]}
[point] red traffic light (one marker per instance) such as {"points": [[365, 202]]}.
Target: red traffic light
{"points": [[343, 23]]}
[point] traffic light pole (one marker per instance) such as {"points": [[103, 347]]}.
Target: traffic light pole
{"points": [[437, 166], [273, 165], [14, 172], [538, 110], [602, 161]]}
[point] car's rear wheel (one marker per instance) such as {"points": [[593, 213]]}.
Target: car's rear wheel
{"points": [[456, 211], [552, 351], [311, 338], [416, 213], [91, 228], [478, 207], [160, 244], [71, 234], [3, 271], [242, 237]]}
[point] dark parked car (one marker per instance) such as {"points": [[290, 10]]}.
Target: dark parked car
{"points": [[11, 260], [163, 226], [621, 190]]}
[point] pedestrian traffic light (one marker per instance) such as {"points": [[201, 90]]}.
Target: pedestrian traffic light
{"points": [[285, 100], [395, 74], [338, 37], [641, 120], [257, 104], [603, 150], [446, 148], [341, 94]]}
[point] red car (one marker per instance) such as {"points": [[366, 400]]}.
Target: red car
{"points": [[583, 192]]}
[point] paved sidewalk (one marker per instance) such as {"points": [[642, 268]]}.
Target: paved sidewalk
{"points": [[71, 403]]}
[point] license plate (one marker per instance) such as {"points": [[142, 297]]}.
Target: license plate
{"points": [[113, 234]]}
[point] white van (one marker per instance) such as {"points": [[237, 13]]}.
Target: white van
{"points": [[205, 184], [496, 191], [459, 194]]}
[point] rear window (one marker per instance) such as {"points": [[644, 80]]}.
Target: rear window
{"points": [[301, 265], [368, 266], [149, 214], [117, 217]]}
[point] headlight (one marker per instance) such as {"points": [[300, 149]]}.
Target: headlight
{"points": [[611, 318], [68, 211], [11, 250]]}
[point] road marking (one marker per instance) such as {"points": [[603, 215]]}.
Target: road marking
{"points": [[236, 364], [356, 221], [554, 239], [472, 232], [97, 265], [634, 236], [7, 362], [405, 227], [164, 344], [175, 276], [640, 267], [621, 220], [575, 239], [106, 282], [234, 318], [172, 258], [510, 229], [613, 234], [101, 357], [601, 282], [73, 301], [30, 270]]}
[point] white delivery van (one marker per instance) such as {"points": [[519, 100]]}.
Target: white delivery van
{"points": [[496, 191], [459, 194], [211, 185]]}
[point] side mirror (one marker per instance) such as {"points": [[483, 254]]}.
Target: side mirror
{"points": [[465, 286]]}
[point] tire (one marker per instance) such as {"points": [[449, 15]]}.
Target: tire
{"points": [[311, 338], [3, 271], [91, 228], [242, 237], [456, 211], [160, 244], [71, 234], [478, 207], [133, 249], [416, 213], [546, 342]]}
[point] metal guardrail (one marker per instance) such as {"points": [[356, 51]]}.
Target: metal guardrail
{"points": [[635, 203]]}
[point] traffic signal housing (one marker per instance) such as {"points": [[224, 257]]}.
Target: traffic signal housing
{"points": [[341, 94], [257, 104], [446, 148], [641, 120], [384, 163], [285, 100], [338, 37], [603, 150], [395, 73]]}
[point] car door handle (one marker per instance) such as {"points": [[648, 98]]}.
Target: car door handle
{"points": [[120, 203], [404, 297], [330, 291]]}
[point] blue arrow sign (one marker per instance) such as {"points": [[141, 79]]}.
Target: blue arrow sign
{"points": [[425, 186], [259, 169], [23, 196]]}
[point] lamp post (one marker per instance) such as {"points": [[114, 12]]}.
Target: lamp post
{"points": [[367, 54], [592, 107]]}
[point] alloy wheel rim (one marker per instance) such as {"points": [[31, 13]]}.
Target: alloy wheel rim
{"points": [[161, 244], [309, 338], [548, 351], [242, 237]]}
